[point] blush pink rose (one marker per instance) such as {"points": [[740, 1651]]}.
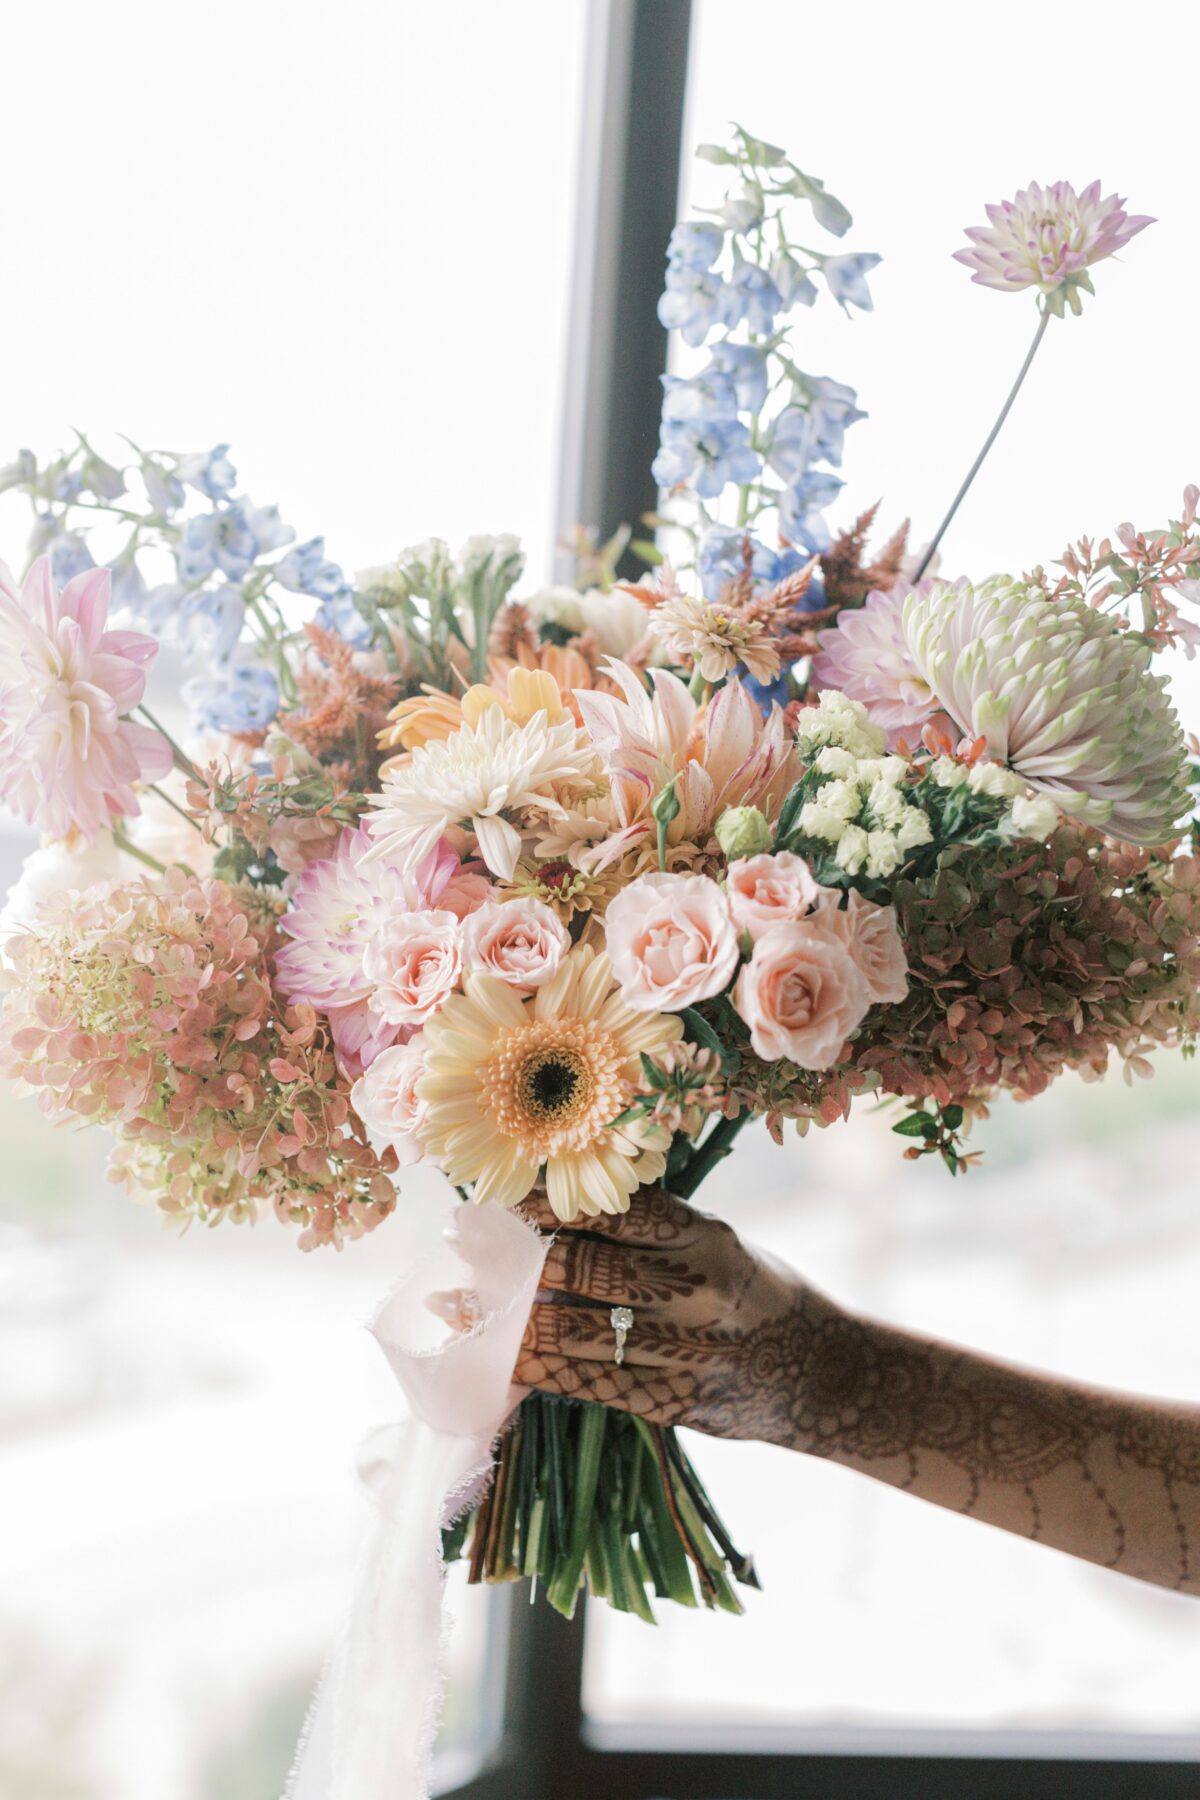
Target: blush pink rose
{"points": [[519, 941], [465, 891], [671, 941], [801, 994], [872, 938], [413, 965], [386, 1099], [769, 890]]}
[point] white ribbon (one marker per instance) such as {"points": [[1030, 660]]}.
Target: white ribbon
{"points": [[370, 1730]]}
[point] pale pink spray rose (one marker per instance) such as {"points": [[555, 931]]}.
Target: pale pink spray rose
{"points": [[872, 938], [768, 890], [520, 941], [69, 755], [387, 1102], [801, 995], [671, 941], [414, 966], [466, 890]]}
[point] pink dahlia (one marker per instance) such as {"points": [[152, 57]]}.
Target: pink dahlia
{"points": [[340, 906], [69, 757], [867, 658], [1048, 238]]}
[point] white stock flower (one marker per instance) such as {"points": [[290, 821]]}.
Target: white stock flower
{"points": [[1034, 817]]}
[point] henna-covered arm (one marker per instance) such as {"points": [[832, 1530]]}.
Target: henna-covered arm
{"points": [[728, 1341]]}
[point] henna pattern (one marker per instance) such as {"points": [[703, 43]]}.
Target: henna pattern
{"points": [[726, 1342]]}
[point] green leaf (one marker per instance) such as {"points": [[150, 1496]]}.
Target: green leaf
{"points": [[701, 1032], [915, 1125], [792, 803], [952, 1117]]}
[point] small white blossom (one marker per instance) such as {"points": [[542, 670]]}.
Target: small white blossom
{"points": [[852, 849], [840, 721], [887, 803], [835, 761], [948, 773], [820, 822], [884, 854], [913, 829], [995, 780], [1036, 817]]}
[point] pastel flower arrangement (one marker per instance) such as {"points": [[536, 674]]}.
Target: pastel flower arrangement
{"points": [[558, 890]]}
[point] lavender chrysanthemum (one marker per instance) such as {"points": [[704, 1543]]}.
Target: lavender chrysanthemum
{"points": [[865, 656]]}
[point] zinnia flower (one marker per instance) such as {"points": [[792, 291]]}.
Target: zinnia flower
{"points": [[69, 757], [512, 1085], [865, 656], [1060, 696], [1048, 238], [479, 773]]}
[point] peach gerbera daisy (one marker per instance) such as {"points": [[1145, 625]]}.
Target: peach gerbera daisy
{"points": [[514, 1085]]}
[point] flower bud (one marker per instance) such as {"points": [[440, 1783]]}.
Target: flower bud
{"points": [[743, 831]]}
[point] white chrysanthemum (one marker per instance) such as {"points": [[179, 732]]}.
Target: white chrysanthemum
{"points": [[1058, 695], [477, 775]]}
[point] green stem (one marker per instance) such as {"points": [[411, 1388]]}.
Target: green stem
{"points": [[139, 855], [175, 807], [183, 762], [992, 435], [713, 1150]]}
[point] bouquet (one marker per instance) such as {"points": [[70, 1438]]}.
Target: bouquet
{"points": [[557, 889]]}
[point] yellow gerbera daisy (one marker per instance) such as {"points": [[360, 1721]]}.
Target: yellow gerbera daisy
{"points": [[511, 1085]]}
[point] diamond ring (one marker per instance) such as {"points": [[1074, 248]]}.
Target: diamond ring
{"points": [[621, 1320]]}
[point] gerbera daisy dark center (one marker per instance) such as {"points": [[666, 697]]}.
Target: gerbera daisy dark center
{"points": [[553, 1082]]}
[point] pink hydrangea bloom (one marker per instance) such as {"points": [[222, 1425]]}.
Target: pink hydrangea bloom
{"points": [[69, 758], [339, 907], [1048, 238], [865, 656]]}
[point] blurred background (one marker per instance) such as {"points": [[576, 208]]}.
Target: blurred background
{"points": [[344, 242]]}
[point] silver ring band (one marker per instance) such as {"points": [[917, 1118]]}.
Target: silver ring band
{"points": [[621, 1320]]}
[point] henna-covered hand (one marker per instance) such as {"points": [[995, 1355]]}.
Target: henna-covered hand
{"points": [[731, 1342], [701, 1300]]}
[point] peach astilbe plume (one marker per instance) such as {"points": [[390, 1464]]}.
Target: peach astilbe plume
{"points": [[148, 1007], [344, 697]]}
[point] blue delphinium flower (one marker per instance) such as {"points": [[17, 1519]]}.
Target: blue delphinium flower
{"points": [[846, 276], [745, 365], [832, 407], [796, 286], [692, 302], [243, 697], [693, 245], [750, 294], [100, 478], [128, 585], [211, 473], [709, 395], [305, 570], [210, 622], [341, 616], [790, 447], [69, 486], [230, 539], [706, 453], [69, 556], [164, 489]]}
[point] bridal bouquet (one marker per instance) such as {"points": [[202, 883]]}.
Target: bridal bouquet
{"points": [[556, 889]]}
